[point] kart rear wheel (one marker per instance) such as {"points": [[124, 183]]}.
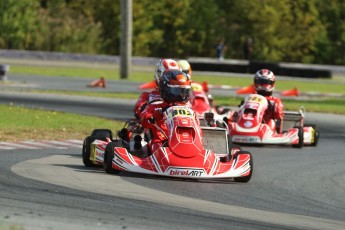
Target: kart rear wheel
{"points": [[245, 179], [109, 156], [86, 151], [300, 138]]}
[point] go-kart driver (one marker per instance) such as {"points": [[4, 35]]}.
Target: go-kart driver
{"points": [[174, 88], [264, 81], [146, 97]]}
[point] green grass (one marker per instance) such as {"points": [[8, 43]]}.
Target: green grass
{"points": [[48, 71], [19, 123], [87, 93]]}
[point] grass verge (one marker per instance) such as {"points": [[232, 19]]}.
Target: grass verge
{"points": [[19, 123]]}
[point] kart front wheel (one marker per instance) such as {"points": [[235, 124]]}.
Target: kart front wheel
{"points": [[109, 156], [300, 138], [245, 179]]}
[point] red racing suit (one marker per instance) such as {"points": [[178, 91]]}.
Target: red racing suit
{"points": [[274, 112], [155, 110], [143, 101]]}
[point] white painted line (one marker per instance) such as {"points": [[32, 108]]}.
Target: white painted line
{"points": [[18, 145], [39, 144], [63, 143]]}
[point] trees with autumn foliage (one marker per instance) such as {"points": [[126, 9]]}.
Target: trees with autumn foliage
{"points": [[306, 31]]}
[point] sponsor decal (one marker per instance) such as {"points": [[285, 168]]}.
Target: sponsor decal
{"points": [[186, 172], [118, 160], [99, 153], [246, 139], [248, 124]]}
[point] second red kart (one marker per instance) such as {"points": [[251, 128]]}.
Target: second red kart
{"points": [[247, 127]]}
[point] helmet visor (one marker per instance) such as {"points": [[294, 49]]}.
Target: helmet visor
{"points": [[186, 71], [179, 94], [262, 81]]}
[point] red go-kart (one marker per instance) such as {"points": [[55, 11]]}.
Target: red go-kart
{"points": [[247, 127], [191, 150]]}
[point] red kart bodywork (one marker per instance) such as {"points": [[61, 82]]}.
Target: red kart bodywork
{"points": [[199, 100]]}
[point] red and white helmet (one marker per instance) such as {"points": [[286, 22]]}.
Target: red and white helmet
{"points": [[162, 66], [264, 81], [185, 66]]}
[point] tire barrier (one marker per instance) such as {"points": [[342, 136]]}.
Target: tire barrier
{"points": [[254, 65]]}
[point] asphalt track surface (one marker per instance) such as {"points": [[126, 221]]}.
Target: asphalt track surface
{"points": [[290, 188]]}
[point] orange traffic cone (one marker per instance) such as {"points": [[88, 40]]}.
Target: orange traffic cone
{"points": [[290, 92], [246, 90], [97, 83], [148, 85]]}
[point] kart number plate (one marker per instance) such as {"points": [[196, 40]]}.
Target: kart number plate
{"points": [[180, 111], [255, 99]]}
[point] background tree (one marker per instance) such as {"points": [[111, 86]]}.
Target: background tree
{"points": [[307, 31], [201, 29], [18, 24], [68, 27], [330, 45]]}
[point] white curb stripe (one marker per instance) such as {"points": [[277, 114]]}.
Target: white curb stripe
{"points": [[18, 145], [77, 144]]}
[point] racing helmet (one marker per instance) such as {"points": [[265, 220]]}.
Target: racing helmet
{"points": [[163, 65], [175, 86], [185, 66], [264, 81]]}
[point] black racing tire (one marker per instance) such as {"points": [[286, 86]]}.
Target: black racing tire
{"points": [[109, 156], [86, 151], [245, 179], [101, 134], [300, 138]]}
